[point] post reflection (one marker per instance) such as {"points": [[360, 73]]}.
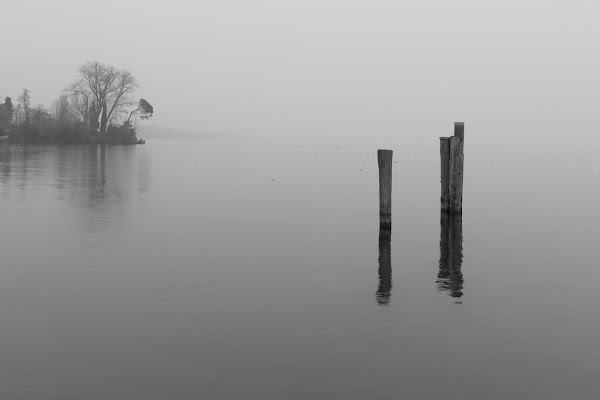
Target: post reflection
{"points": [[450, 277], [385, 267]]}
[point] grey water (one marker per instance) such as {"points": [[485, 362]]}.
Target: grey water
{"points": [[256, 270]]}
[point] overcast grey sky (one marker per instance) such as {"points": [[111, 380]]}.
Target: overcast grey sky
{"points": [[325, 70]]}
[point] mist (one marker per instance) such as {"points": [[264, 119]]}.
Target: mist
{"points": [[328, 71], [224, 229]]}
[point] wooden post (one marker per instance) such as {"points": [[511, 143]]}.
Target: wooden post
{"points": [[384, 289], [456, 174], [452, 168], [459, 129], [384, 160], [445, 172]]}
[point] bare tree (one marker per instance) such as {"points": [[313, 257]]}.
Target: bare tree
{"points": [[81, 98], [41, 118], [18, 113], [122, 97], [25, 102], [106, 92], [62, 110]]}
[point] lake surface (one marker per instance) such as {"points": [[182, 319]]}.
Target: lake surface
{"points": [[255, 270]]}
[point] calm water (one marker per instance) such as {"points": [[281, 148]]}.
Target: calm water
{"points": [[247, 270]]}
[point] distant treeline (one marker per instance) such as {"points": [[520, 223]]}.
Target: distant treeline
{"points": [[98, 107]]}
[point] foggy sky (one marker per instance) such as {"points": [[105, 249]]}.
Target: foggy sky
{"points": [[326, 70]]}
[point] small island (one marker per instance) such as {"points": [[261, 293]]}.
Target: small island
{"points": [[98, 107]]}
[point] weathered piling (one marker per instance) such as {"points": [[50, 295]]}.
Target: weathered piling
{"points": [[450, 276], [459, 130], [384, 161], [445, 172], [384, 289], [452, 169]]}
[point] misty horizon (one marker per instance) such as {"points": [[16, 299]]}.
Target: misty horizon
{"points": [[327, 70]]}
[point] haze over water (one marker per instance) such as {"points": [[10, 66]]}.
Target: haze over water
{"points": [[254, 270], [327, 71]]}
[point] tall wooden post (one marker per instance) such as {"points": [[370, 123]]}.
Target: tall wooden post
{"points": [[445, 173], [457, 167], [384, 289], [452, 168], [384, 161]]}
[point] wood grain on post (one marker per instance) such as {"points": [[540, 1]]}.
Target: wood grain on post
{"points": [[456, 173], [452, 170], [384, 289], [445, 173], [384, 160], [459, 129]]}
